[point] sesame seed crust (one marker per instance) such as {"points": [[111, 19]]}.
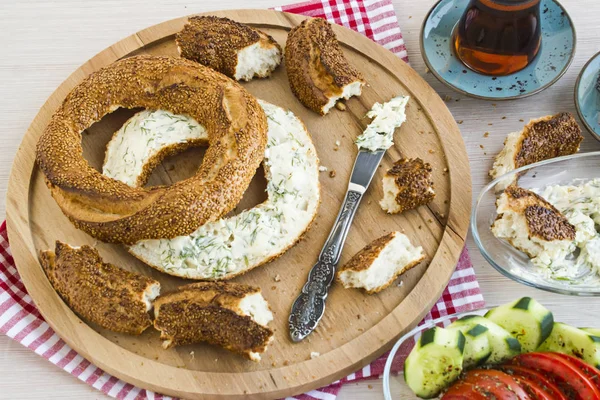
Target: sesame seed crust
{"points": [[414, 182], [209, 312], [548, 137], [100, 292], [215, 42], [316, 66], [543, 219], [112, 211]]}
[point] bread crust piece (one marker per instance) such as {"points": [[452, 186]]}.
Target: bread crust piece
{"points": [[112, 211], [102, 293], [413, 183], [363, 260], [544, 221], [316, 67], [215, 42], [541, 139], [210, 312]]}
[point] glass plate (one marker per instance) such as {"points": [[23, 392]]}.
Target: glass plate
{"points": [[505, 258]]}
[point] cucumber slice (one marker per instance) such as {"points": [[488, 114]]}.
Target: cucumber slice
{"points": [[502, 343], [592, 331], [525, 319], [574, 341], [477, 344], [435, 361]]}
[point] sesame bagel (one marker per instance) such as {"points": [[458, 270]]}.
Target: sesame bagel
{"points": [[113, 211], [318, 72], [236, 50]]}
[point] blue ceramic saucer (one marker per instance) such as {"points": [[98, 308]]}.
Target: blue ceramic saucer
{"points": [[587, 96], [553, 60]]}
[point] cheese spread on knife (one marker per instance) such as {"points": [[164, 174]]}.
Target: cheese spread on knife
{"points": [[379, 134], [575, 258], [231, 246]]}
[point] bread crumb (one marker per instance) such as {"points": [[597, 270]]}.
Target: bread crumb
{"points": [[370, 386], [286, 363], [277, 278], [521, 120], [481, 146], [490, 124], [323, 168], [332, 173], [273, 287], [486, 134], [504, 117], [431, 151], [460, 122], [340, 106], [192, 354]]}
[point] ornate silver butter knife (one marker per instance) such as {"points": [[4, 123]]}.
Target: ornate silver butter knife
{"points": [[309, 307]]}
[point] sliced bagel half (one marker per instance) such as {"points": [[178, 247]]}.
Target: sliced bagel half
{"points": [[231, 315], [318, 72], [107, 295]]}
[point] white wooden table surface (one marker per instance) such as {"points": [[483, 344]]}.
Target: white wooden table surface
{"points": [[42, 42]]}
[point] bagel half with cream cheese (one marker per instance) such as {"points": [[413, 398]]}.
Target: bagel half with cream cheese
{"points": [[231, 315], [317, 69], [226, 247], [236, 50], [113, 211], [102, 293], [376, 266]]}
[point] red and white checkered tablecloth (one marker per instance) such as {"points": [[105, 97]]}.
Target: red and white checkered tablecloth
{"points": [[20, 320]]}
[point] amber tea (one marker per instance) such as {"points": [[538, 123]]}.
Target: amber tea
{"points": [[499, 37]]}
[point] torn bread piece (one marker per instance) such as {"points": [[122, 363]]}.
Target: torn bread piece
{"points": [[231, 315], [236, 50], [377, 265], [317, 69], [107, 295], [541, 139], [534, 226], [407, 185]]}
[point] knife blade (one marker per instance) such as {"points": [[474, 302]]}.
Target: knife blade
{"points": [[309, 306]]}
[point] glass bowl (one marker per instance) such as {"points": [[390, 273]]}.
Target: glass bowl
{"points": [[403, 347], [501, 255]]}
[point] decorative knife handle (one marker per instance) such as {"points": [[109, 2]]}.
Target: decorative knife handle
{"points": [[309, 307]]}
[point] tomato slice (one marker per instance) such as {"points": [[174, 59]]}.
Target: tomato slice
{"points": [[544, 381], [462, 390], [592, 373], [535, 391], [572, 382], [496, 384]]}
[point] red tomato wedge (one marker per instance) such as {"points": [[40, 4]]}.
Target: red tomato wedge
{"points": [[496, 384], [592, 373], [462, 390], [546, 383], [572, 382]]}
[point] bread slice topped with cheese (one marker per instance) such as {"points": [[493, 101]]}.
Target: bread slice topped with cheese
{"points": [[236, 50], [541, 139], [231, 315], [407, 185], [377, 265], [107, 295], [318, 72], [534, 226]]}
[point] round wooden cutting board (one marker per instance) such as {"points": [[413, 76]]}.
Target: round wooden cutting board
{"points": [[356, 327]]}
